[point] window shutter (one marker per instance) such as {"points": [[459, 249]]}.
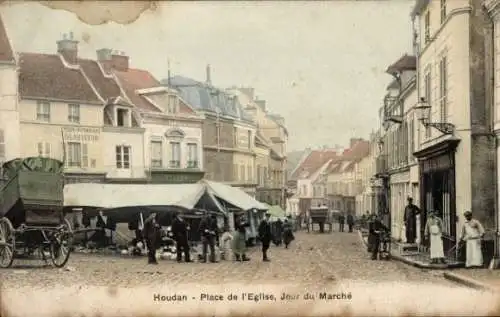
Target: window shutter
{"points": [[85, 155], [40, 148], [47, 149]]}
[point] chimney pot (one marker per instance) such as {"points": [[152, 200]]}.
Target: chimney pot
{"points": [[68, 48]]}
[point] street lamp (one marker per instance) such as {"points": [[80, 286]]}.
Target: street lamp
{"points": [[423, 110]]}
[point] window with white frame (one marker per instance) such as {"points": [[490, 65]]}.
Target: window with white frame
{"points": [[76, 154], [123, 156], [428, 97], [192, 155], [427, 27], [43, 149], [175, 154], [156, 154], [443, 89], [43, 111], [443, 11], [74, 113]]}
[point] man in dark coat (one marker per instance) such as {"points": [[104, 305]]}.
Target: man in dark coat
{"points": [[278, 232], [209, 232], [150, 233], [341, 222], [410, 221], [180, 230], [376, 227], [350, 221], [265, 236]]}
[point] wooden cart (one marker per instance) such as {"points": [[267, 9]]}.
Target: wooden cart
{"points": [[321, 216], [31, 216]]}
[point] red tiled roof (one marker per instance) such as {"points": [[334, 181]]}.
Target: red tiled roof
{"points": [[6, 53], [45, 76], [135, 79], [406, 62], [105, 86], [315, 160]]}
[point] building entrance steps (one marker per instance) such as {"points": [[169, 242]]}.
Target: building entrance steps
{"points": [[418, 258]]}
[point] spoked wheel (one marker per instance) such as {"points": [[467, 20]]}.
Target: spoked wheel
{"points": [[7, 243], [60, 246]]}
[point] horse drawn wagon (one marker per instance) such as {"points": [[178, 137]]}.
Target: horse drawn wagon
{"points": [[319, 215], [31, 211]]}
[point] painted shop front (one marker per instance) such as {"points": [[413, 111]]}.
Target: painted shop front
{"points": [[437, 188]]}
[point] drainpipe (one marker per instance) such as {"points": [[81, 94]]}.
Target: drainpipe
{"points": [[416, 48], [495, 262]]}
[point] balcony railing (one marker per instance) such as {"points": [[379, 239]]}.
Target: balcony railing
{"points": [[174, 164], [381, 164], [192, 164]]}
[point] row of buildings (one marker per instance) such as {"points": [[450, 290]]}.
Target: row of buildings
{"points": [[111, 122], [331, 176], [439, 128]]}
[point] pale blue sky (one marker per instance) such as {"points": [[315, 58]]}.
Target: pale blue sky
{"points": [[319, 64]]}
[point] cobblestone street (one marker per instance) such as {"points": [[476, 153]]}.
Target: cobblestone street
{"points": [[313, 259]]}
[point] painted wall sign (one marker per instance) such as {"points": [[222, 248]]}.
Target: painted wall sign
{"points": [[85, 135]]}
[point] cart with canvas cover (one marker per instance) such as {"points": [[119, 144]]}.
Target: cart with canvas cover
{"points": [[31, 215]]}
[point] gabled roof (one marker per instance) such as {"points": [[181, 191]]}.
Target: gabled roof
{"points": [[314, 161], [6, 51], [45, 76], [137, 79], [105, 85], [359, 150], [406, 62]]}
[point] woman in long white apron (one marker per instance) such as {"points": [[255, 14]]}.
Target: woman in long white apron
{"points": [[472, 234], [434, 232]]}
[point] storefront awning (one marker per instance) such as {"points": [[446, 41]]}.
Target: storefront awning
{"points": [[234, 196], [108, 196]]}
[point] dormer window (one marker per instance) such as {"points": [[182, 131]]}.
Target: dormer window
{"points": [[123, 117], [173, 104]]}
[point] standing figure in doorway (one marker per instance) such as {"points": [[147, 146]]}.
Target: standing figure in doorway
{"points": [[180, 231], [410, 220], [472, 234], [265, 236], [434, 234]]}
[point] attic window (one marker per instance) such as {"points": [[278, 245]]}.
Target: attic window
{"points": [[122, 117]]}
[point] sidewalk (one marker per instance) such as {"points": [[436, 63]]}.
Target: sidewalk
{"points": [[418, 260], [482, 279]]}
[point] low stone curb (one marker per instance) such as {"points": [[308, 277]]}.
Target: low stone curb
{"points": [[408, 261], [467, 281]]}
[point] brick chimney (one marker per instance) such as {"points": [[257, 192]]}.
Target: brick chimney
{"points": [[111, 59], [68, 48]]}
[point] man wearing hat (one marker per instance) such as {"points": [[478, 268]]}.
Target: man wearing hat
{"points": [[150, 233], [180, 231], [434, 233], [472, 234], [265, 236], [410, 221], [209, 234]]}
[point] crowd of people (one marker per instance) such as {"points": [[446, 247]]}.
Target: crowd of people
{"points": [[231, 244], [470, 240]]}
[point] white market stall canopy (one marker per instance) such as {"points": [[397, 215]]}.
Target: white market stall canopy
{"points": [[111, 196], [234, 196]]}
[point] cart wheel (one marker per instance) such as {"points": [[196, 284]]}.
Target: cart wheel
{"points": [[7, 243], [60, 246]]}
